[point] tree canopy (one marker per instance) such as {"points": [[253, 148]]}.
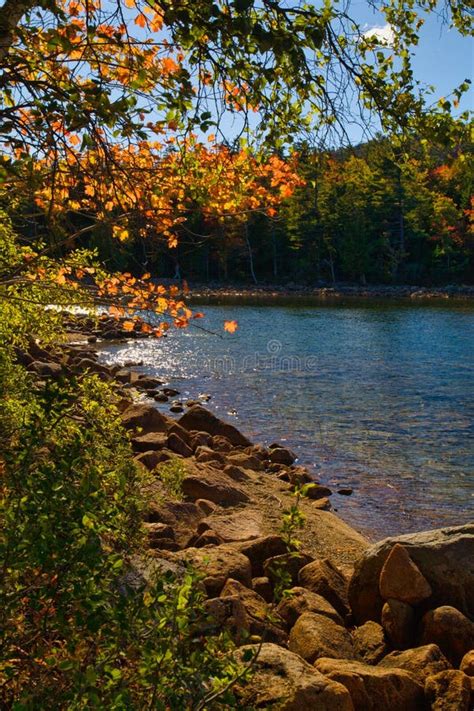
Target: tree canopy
{"points": [[95, 81]]}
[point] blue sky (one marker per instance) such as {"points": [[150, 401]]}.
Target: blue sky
{"points": [[443, 57]]}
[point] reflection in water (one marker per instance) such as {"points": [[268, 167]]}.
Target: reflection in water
{"points": [[377, 398]]}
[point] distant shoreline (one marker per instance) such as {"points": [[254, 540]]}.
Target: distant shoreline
{"points": [[212, 293]]}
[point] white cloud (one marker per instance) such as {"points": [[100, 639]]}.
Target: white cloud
{"points": [[385, 35]]}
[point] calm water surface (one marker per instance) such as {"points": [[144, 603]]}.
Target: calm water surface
{"points": [[378, 398]]}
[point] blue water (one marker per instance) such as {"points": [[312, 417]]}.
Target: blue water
{"points": [[378, 398]]}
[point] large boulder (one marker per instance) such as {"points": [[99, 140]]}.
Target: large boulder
{"points": [[323, 578], [448, 691], [209, 483], [234, 527], [400, 578], [198, 418], [420, 662], [374, 688], [218, 564], [315, 636], [283, 681], [450, 630], [445, 557], [145, 418]]}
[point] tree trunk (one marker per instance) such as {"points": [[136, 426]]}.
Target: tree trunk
{"points": [[274, 252], [252, 272], [10, 15]]}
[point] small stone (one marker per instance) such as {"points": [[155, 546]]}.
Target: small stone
{"points": [[314, 636], [448, 690], [176, 407], [263, 587], [206, 506], [369, 642], [398, 621], [318, 492], [281, 455], [345, 492], [401, 579]]}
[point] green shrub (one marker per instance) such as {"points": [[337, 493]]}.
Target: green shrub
{"points": [[172, 474], [81, 626]]}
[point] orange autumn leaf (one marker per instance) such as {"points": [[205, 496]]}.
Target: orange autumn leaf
{"points": [[230, 326], [128, 325], [140, 20], [116, 311]]}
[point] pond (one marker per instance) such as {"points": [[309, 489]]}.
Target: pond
{"points": [[378, 398]]}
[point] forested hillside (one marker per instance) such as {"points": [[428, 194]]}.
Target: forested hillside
{"points": [[377, 213]]}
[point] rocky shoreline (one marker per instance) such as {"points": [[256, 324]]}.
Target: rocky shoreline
{"points": [[361, 627], [216, 293]]}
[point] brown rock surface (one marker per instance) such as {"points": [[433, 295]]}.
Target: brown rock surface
{"points": [[198, 418], [400, 578], [421, 662], [314, 636], [283, 681], [259, 550], [323, 578], [448, 691], [290, 563], [144, 417], [450, 630], [299, 600], [373, 688], [218, 564], [151, 441], [369, 642], [225, 612], [258, 612], [235, 527], [445, 557], [245, 461], [467, 663], [211, 484], [178, 445], [398, 621], [263, 587], [282, 455]]}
